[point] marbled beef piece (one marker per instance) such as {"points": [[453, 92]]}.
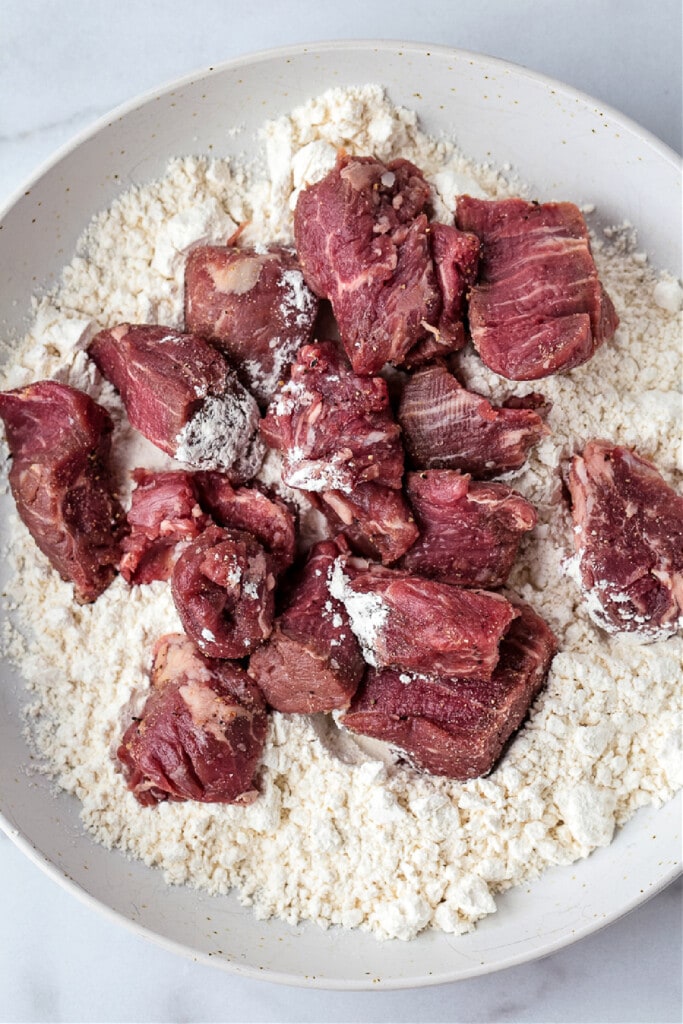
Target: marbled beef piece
{"points": [[262, 514], [334, 428], [628, 536], [254, 305], [377, 520], [201, 733], [312, 662], [457, 727], [164, 516], [182, 395], [60, 441], [363, 240], [447, 427], [415, 624], [223, 588], [469, 531], [539, 307]]}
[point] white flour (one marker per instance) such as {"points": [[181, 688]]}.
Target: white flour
{"points": [[361, 844]]}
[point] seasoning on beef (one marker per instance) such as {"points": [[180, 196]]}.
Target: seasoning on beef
{"points": [[60, 440], [539, 307], [312, 662], [163, 517], [334, 428], [182, 395], [252, 508], [201, 733], [469, 531], [413, 623], [447, 427], [457, 727], [628, 536], [252, 304], [222, 587], [377, 520], [363, 239]]}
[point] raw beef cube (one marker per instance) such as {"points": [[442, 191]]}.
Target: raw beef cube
{"points": [[201, 733], [182, 395], [223, 587], [312, 662], [254, 305], [539, 307], [264, 515], [164, 516], [469, 531], [363, 240], [447, 427], [412, 623], [377, 520], [457, 727], [628, 536], [335, 429], [60, 440]]}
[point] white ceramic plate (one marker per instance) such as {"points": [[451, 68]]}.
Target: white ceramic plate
{"points": [[567, 146]]}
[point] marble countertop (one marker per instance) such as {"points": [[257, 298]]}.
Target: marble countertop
{"points": [[62, 66]]}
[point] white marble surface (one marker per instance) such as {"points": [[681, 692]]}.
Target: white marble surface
{"points": [[61, 66]]}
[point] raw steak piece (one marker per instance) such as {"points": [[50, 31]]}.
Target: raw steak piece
{"points": [[312, 662], [628, 536], [457, 727], [255, 306], [335, 429], [60, 440], [223, 587], [201, 733], [408, 622], [164, 516], [539, 307], [363, 240], [377, 520], [182, 395], [447, 427], [469, 531]]}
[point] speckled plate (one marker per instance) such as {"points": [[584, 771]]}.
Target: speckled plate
{"points": [[567, 146]]}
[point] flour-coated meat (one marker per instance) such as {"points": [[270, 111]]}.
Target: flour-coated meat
{"points": [[60, 442]]}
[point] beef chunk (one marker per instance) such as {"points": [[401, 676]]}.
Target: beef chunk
{"points": [[164, 516], [335, 429], [60, 441], [312, 661], [539, 307], [182, 395], [201, 733], [262, 514], [363, 239], [223, 587], [412, 623], [469, 531], [457, 727], [629, 540], [447, 427], [254, 305], [376, 520]]}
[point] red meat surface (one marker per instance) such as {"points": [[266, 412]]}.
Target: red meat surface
{"points": [[312, 662], [377, 520], [60, 441], [201, 733], [539, 307], [223, 587], [457, 727], [447, 427], [629, 540], [254, 305], [469, 531]]}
